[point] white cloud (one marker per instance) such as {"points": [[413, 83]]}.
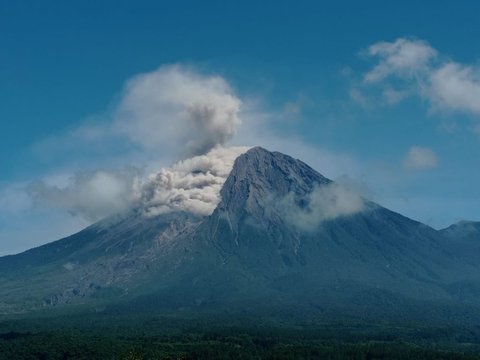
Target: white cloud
{"points": [[420, 158], [393, 96], [408, 67], [325, 202], [175, 105], [92, 195], [455, 87], [403, 57], [160, 116]]}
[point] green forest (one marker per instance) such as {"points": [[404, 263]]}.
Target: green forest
{"points": [[131, 338], [59, 346]]}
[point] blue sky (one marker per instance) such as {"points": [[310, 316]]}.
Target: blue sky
{"points": [[409, 137]]}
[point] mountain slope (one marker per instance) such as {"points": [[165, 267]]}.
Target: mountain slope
{"points": [[251, 251], [374, 248], [463, 240]]}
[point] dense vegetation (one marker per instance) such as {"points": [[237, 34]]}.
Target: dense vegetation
{"points": [[126, 338], [202, 346]]}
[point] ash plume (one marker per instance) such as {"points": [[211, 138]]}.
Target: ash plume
{"points": [[191, 185]]}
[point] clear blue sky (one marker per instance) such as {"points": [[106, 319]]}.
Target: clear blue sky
{"points": [[63, 64]]}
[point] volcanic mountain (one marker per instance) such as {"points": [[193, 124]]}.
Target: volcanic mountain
{"points": [[273, 242]]}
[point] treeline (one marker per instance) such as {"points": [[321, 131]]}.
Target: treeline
{"points": [[83, 345]]}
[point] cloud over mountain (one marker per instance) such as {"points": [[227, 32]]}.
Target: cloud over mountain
{"points": [[92, 195], [175, 112], [165, 146], [184, 116], [326, 202], [175, 107], [191, 185]]}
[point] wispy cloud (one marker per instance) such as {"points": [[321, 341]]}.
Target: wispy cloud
{"points": [[419, 157], [412, 67], [456, 87], [92, 194], [325, 202], [403, 57]]}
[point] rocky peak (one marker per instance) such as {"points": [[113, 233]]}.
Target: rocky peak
{"points": [[259, 174]]}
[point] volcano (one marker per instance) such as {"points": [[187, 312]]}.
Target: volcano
{"points": [[271, 243]]}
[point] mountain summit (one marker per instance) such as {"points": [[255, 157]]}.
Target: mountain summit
{"points": [[282, 234]]}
